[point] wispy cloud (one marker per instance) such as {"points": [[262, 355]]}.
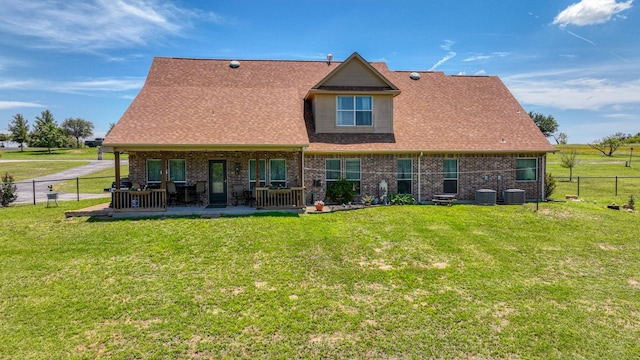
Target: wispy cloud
{"points": [[447, 45], [481, 57], [581, 38], [5, 105], [85, 87], [589, 12], [446, 58], [89, 25], [557, 90]]}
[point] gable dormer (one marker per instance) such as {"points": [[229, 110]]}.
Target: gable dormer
{"points": [[353, 98]]}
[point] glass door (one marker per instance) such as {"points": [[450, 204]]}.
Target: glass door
{"points": [[217, 182]]}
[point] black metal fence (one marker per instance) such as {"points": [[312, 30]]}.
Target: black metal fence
{"points": [[599, 185], [40, 190]]}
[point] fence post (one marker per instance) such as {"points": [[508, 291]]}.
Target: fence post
{"points": [[78, 187], [616, 186], [34, 192], [578, 185]]}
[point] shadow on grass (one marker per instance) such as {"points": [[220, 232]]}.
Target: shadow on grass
{"points": [[202, 216]]}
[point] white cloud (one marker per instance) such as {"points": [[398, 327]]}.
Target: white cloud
{"points": [[579, 93], [580, 37], [447, 45], [75, 87], [446, 58], [589, 12], [96, 24], [4, 105]]}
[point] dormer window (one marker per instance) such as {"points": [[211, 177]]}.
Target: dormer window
{"points": [[354, 111]]}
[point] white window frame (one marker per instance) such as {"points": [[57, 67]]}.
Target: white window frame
{"points": [[356, 180], [159, 175], [457, 178], [263, 167], [519, 170], [354, 111], [282, 182], [410, 179], [184, 161]]}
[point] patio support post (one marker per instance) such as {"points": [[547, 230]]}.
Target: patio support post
{"points": [[163, 170], [258, 170], [116, 156], [116, 196], [301, 168]]}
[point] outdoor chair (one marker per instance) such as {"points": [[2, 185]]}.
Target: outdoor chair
{"points": [[238, 193], [172, 193], [201, 190]]}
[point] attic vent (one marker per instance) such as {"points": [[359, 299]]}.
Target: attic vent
{"points": [[234, 64], [414, 76]]}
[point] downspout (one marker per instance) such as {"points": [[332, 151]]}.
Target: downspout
{"points": [[419, 176]]}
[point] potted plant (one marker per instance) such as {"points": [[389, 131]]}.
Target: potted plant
{"points": [[367, 199], [319, 205]]}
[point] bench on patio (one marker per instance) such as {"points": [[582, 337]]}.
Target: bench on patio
{"points": [[444, 199]]}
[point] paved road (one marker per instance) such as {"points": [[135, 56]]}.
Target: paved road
{"points": [[25, 187]]}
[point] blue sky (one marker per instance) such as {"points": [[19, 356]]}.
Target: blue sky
{"points": [[576, 60]]}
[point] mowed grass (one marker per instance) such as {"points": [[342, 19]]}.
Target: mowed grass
{"points": [[93, 183], [386, 282], [597, 173], [21, 170], [57, 154]]}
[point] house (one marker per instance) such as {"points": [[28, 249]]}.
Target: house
{"points": [[302, 125]]}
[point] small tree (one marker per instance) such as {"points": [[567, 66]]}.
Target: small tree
{"points": [[569, 161], [46, 132], [111, 125], [342, 191], [549, 185], [546, 123], [3, 138], [19, 129], [77, 128], [609, 144], [7, 190], [561, 138]]}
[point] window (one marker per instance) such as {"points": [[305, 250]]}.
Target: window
{"points": [[526, 169], [154, 171], [332, 171], [177, 170], [352, 172], [278, 172], [354, 111], [405, 175], [252, 173], [450, 185]]}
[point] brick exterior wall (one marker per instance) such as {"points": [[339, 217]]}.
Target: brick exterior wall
{"points": [[475, 171]]}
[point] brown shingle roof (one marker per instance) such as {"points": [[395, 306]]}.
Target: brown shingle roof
{"points": [[192, 103]]}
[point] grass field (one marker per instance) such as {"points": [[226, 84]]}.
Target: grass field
{"points": [[597, 173], [387, 282], [56, 154]]}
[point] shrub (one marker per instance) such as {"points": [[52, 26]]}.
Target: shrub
{"points": [[342, 191], [7, 190], [549, 185], [401, 199]]}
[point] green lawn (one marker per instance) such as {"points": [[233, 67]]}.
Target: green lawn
{"points": [[22, 170], [387, 282], [591, 165], [93, 183], [56, 154]]}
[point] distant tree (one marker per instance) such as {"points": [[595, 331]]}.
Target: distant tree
{"points": [[111, 125], [635, 139], [77, 128], [561, 138], [8, 190], [569, 161], [547, 124], [19, 129], [47, 133], [3, 138], [609, 144]]}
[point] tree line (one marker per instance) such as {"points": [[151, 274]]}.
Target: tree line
{"points": [[46, 132]]}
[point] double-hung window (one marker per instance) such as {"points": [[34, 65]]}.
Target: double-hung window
{"points": [[354, 111], [352, 172], [450, 185], [527, 169], [252, 173], [332, 171], [404, 176], [154, 171], [178, 170], [278, 172]]}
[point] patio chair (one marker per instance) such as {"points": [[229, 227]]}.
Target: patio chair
{"points": [[201, 190], [238, 193], [172, 193]]}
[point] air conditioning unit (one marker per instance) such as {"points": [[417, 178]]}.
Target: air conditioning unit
{"points": [[485, 197], [514, 197]]}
